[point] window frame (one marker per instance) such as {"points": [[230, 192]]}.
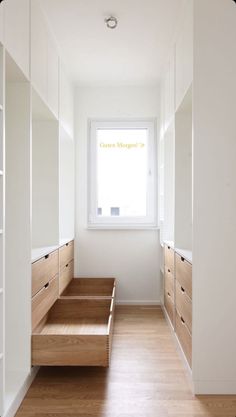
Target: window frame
{"points": [[111, 222]]}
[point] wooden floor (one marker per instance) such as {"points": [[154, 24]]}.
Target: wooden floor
{"points": [[146, 379]]}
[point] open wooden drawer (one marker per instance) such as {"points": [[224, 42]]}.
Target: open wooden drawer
{"points": [[89, 287], [75, 332]]}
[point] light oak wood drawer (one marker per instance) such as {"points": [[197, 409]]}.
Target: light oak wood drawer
{"points": [[169, 258], [183, 270], [66, 275], [183, 305], [66, 254], [184, 337], [169, 282], [43, 270], [169, 306], [90, 287], [75, 332], [43, 301]]}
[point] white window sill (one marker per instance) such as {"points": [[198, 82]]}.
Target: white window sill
{"points": [[121, 227]]}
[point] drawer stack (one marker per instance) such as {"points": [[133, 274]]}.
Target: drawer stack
{"points": [[72, 319], [66, 265], [178, 298], [183, 288], [44, 286], [169, 287]]}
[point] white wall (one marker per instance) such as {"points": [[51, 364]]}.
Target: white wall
{"points": [[214, 204], [131, 256]]}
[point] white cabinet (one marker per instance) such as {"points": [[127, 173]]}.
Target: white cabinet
{"points": [[44, 59], [184, 55], [17, 32], [53, 76], [39, 49], [1, 22], [66, 102]]}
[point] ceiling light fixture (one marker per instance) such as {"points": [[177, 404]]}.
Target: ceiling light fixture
{"points": [[111, 22]]}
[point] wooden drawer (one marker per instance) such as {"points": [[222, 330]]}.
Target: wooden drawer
{"points": [[169, 306], [66, 254], [184, 337], [66, 275], [75, 332], [169, 258], [183, 270], [43, 270], [169, 283], [183, 305], [90, 287], [43, 301]]}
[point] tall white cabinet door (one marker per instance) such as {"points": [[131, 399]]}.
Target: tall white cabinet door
{"points": [[17, 32], [184, 55], [1, 22], [53, 77], [66, 103], [39, 49]]}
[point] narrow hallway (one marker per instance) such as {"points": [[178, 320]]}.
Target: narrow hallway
{"points": [[146, 378]]}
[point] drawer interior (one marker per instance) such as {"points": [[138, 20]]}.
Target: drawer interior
{"points": [[77, 317], [90, 287]]}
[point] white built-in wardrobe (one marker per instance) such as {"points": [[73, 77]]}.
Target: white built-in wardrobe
{"points": [[36, 177]]}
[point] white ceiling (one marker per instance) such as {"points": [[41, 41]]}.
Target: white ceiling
{"points": [[132, 54]]}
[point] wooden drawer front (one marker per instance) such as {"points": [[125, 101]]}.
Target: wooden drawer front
{"points": [[43, 301], [183, 305], [184, 337], [169, 258], [44, 270], [66, 254], [75, 332], [184, 274], [65, 277], [169, 283], [169, 306]]}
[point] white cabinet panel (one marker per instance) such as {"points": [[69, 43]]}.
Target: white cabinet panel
{"points": [[39, 49], [169, 92], [17, 32], [53, 76], [184, 55], [66, 103], [1, 22]]}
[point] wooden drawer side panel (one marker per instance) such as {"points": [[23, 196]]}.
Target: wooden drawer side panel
{"points": [[44, 270]]}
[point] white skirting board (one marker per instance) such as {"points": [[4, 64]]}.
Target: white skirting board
{"points": [[13, 407], [138, 303]]}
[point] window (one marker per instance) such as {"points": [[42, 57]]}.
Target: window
{"points": [[122, 174]]}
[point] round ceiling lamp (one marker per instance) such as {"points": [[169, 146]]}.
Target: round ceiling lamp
{"points": [[111, 22]]}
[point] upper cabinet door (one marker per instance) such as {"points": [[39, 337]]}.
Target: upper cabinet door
{"points": [[53, 76], [39, 50], [169, 92], [66, 103], [17, 32], [1, 22], [184, 55]]}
